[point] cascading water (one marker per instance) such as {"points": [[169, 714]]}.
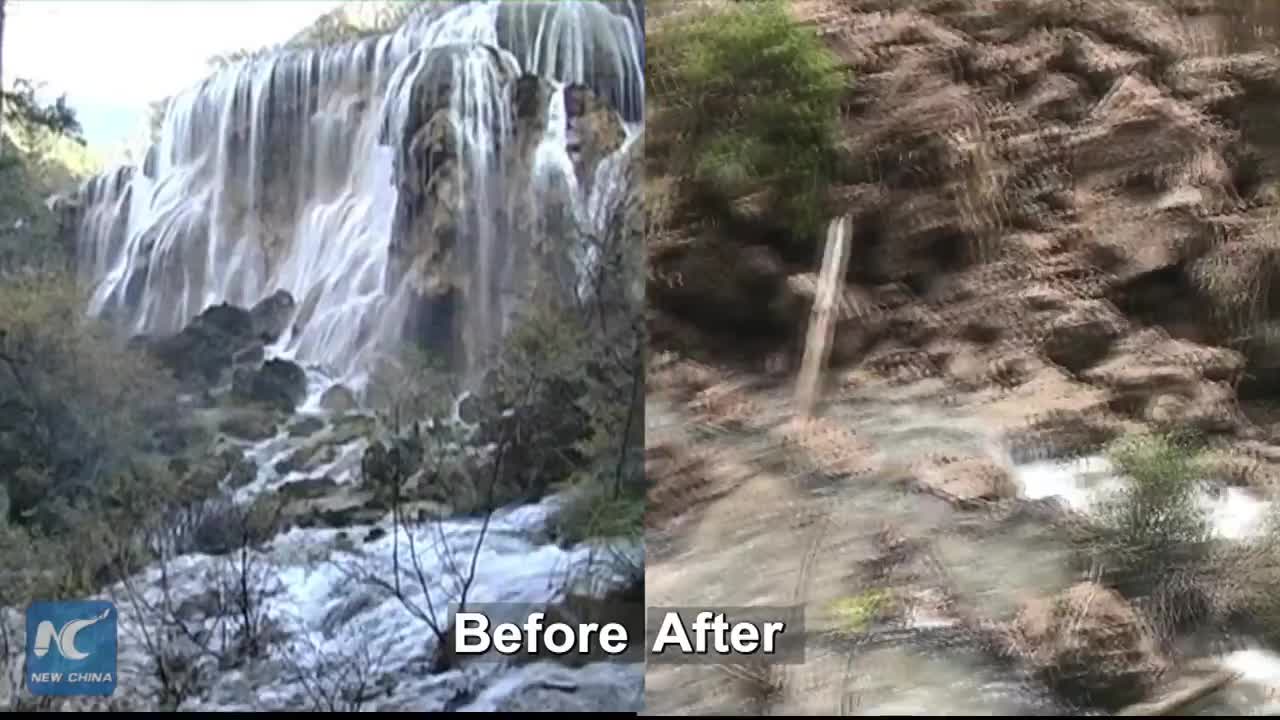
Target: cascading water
{"points": [[384, 183]]}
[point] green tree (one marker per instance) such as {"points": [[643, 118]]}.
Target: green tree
{"points": [[757, 98]]}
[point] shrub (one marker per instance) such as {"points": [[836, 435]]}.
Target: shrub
{"points": [[758, 97], [1154, 541]]}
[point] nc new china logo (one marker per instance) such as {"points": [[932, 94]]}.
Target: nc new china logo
{"points": [[71, 648]]}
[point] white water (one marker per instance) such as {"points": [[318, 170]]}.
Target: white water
{"points": [[1233, 513], [283, 172], [331, 615]]}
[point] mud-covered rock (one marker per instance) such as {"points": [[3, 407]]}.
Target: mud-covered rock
{"points": [[965, 480], [1083, 336], [1090, 645]]}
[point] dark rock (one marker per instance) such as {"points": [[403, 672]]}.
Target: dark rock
{"points": [[278, 383], [307, 457], [306, 427], [243, 471], [351, 426], [375, 534], [251, 355], [338, 398], [338, 517], [249, 424], [309, 488], [206, 348], [307, 309], [470, 409], [271, 315]]}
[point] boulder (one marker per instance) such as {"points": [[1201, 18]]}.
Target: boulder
{"points": [[309, 488], [204, 350], [271, 316], [1089, 645], [965, 480], [281, 384], [252, 424], [338, 398], [306, 427], [308, 457], [1084, 335]]}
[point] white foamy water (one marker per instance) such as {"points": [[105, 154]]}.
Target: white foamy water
{"points": [[1233, 513], [330, 612]]}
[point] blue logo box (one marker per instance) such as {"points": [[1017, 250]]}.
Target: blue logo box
{"points": [[71, 648]]}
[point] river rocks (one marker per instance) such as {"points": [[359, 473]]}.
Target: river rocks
{"points": [[338, 398], [339, 510], [306, 458], [1089, 645], [271, 315], [548, 687], [965, 480], [306, 427], [308, 488], [281, 384], [252, 424]]}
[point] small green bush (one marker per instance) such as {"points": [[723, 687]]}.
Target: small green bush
{"points": [[1153, 540], [757, 98]]}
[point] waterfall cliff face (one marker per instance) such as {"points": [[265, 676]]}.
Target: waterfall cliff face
{"points": [[399, 184]]}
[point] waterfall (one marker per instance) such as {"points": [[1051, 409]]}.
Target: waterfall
{"points": [[386, 183]]}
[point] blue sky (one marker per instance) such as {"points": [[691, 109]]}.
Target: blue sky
{"points": [[113, 58]]}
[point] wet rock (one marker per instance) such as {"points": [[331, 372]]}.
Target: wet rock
{"points": [[307, 309], [252, 424], [281, 384], [205, 349], [346, 516], [308, 457], [338, 398], [270, 317], [243, 471], [306, 427], [308, 488], [252, 355], [1089, 645], [351, 426], [597, 687], [965, 480], [595, 126]]}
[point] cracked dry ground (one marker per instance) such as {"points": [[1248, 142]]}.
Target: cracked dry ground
{"points": [[753, 506]]}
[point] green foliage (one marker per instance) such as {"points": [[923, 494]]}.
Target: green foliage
{"points": [[41, 153], [77, 407], [854, 614], [594, 510], [1159, 508], [758, 97], [1153, 540]]}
